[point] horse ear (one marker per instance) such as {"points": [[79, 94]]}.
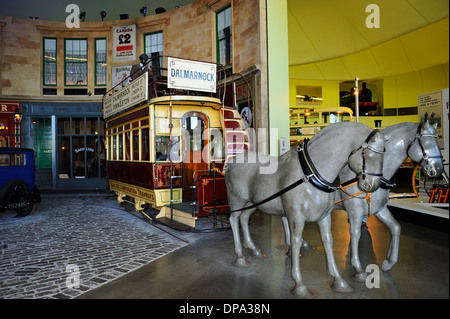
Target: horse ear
{"points": [[425, 126], [387, 136], [435, 125]]}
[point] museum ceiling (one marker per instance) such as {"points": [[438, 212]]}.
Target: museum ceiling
{"points": [[329, 39]]}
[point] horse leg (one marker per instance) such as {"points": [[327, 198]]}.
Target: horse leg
{"points": [[392, 256], [287, 236], [248, 242], [234, 222], [296, 228], [339, 283], [355, 235]]}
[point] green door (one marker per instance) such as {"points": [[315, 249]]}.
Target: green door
{"points": [[43, 130]]}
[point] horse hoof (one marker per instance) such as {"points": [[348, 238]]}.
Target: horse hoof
{"points": [[258, 254], [361, 277], [302, 292], [241, 262], [386, 265], [341, 286]]}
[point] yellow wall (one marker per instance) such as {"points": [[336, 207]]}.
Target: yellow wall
{"points": [[397, 92], [278, 72], [402, 90]]}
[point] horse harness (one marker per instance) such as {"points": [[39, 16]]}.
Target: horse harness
{"points": [[313, 176]]}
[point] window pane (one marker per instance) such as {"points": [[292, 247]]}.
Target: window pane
{"points": [[100, 62], [120, 142], [76, 62], [64, 155], [224, 36], [145, 156], [49, 61], [136, 145], [127, 146], [78, 153]]}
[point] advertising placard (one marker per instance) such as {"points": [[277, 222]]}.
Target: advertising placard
{"points": [[191, 75], [124, 41]]}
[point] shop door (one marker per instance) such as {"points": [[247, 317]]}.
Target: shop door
{"points": [[195, 125], [43, 131]]}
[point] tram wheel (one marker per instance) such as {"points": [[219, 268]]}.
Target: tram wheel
{"points": [[128, 205]]}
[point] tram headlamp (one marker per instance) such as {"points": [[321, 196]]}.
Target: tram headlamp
{"points": [[144, 11], [103, 15]]}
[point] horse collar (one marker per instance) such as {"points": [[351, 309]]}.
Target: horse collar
{"points": [[311, 172]]}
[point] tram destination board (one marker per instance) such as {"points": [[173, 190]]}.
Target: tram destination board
{"points": [[136, 92], [191, 75]]}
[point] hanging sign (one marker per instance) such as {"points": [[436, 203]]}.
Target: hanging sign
{"points": [[191, 75], [124, 41], [135, 93]]}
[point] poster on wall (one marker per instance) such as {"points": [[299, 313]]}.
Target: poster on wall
{"points": [[430, 105], [124, 41], [119, 74]]}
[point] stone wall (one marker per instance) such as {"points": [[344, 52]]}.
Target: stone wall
{"points": [[189, 32]]}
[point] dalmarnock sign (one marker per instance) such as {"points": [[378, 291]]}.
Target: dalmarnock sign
{"points": [[136, 92], [191, 75]]}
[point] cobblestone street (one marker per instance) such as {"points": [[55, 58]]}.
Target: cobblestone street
{"points": [[72, 244]]}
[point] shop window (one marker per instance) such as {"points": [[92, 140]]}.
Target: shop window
{"points": [[100, 61], [75, 61], [224, 37], [81, 149], [49, 68]]}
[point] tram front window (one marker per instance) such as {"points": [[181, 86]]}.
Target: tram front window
{"points": [[162, 147]]}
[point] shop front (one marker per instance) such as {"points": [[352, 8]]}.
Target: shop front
{"points": [[69, 143], [10, 124]]}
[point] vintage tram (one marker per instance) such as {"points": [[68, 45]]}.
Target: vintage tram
{"points": [[169, 137]]}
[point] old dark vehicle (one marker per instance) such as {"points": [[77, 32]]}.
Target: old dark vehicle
{"points": [[17, 176]]}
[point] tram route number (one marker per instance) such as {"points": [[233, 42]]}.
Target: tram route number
{"points": [[227, 308]]}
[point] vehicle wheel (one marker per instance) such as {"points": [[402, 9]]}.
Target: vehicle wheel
{"points": [[17, 193]]}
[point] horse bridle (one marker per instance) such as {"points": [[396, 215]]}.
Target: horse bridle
{"points": [[418, 137], [365, 146]]}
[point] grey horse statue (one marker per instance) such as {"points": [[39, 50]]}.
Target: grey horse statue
{"points": [[303, 189], [419, 142]]}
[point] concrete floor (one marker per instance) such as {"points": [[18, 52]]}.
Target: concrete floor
{"points": [[203, 269]]}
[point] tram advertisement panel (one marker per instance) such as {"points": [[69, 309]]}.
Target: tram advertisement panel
{"points": [[191, 75], [136, 92]]}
